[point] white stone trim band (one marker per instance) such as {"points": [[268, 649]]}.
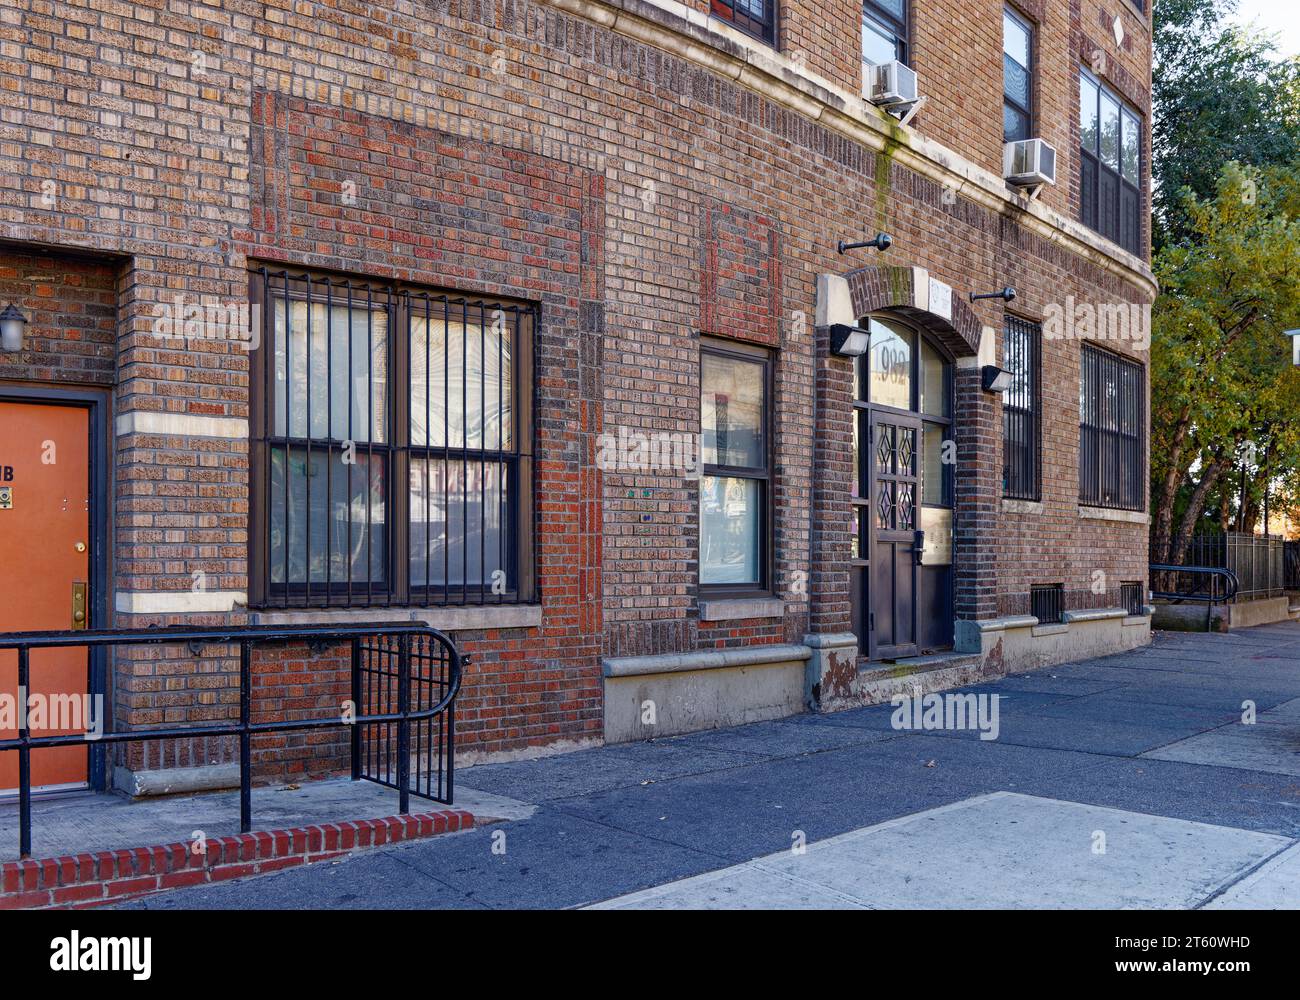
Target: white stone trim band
{"points": [[173, 602], [180, 425]]}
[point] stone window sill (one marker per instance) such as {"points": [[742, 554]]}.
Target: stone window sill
{"points": [[737, 608], [1112, 514], [458, 619]]}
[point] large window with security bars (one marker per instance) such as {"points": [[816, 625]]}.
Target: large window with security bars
{"points": [[1020, 410], [391, 445], [1112, 430]]}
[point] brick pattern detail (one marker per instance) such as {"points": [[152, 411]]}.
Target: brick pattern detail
{"points": [[83, 880]]}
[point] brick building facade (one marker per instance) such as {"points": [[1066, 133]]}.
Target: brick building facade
{"points": [[606, 193]]}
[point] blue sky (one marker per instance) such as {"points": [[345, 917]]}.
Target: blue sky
{"points": [[1278, 17]]}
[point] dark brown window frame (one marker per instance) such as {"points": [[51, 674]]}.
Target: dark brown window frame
{"points": [[1028, 485], [396, 453], [1093, 171], [900, 27], [752, 353], [1129, 478], [763, 30], [1031, 70]]}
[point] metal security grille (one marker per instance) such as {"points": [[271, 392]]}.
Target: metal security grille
{"points": [[1112, 417], [1047, 603], [1132, 598], [391, 447], [1020, 408]]}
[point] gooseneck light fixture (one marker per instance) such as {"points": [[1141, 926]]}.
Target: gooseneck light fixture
{"points": [[882, 242], [12, 322], [1006, 295]]}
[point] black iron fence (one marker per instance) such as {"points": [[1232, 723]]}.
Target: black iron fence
{"points": [[405, 677], [1208, 585], [1255, 560]]}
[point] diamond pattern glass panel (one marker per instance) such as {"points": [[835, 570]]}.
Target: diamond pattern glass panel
{"points": [[906, 448], [905, 507], [885, 448], [885, 505]]}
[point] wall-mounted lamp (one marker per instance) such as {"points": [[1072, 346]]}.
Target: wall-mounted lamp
{"points": [[1295, 346], [12, 322], [882, 242], [1006, 295], [849, 341], [995, 379]]}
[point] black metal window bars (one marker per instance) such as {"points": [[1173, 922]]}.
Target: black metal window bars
{"points": [[1020, 410], [404, 681], [391, 445], [1112, 425]]}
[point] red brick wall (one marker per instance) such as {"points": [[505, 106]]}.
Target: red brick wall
{"points": [[513, 149]]}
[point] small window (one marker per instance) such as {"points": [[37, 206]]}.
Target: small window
{"points": [[1017, 77], [1131, 597], [735, 394], [1047, 603], [753, 17], [1020, 410], [1110, 164], [1112, 422], [884, 31]]}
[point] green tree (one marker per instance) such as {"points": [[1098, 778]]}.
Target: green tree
{"points": [[1223, 388], [1219, 94]]}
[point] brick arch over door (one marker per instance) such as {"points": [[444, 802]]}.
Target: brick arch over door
{"points": [[892, 289]]}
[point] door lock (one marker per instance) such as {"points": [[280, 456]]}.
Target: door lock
{"points": [[78, 605]]}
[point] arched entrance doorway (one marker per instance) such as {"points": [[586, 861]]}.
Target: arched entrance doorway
{"points": [[903, 458]]}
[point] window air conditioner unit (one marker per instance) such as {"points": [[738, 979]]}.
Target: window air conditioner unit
{"points": [[1029, 162], [890, 84]]}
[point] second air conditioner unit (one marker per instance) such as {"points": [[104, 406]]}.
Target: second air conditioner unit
{"points": [[890, 84], [1029, 162]]}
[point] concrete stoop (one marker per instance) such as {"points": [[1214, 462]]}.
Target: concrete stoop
{"points": [[86, 880]]}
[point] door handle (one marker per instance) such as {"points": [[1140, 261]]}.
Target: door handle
{"points": [[918, 546], [78, 605]]}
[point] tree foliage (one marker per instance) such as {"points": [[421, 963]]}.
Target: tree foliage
{"points": [[1224, 393]]}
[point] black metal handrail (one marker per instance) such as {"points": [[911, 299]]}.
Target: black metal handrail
{"points": [[1211, 576], [246, 637]]}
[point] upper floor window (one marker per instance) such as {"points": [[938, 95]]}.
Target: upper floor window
{"points": [[1112, 424], [884, 31], [1017, 77], [735, 484], [391, 445], [754, 17], [1110, 183], [1020, 410]]}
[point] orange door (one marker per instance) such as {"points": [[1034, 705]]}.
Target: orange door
{"points": [[44, 554]]}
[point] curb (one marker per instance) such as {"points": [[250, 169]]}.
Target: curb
{"points": [[83, 880]]}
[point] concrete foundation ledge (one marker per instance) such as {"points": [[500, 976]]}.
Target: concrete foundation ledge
{"points": [[1094, 615], [176, 780], [666, 695], [705, 659]]}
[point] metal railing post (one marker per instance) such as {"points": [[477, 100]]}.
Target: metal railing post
{"points": [[356, 710], [24, 759], [245, 738], [404, 725]]}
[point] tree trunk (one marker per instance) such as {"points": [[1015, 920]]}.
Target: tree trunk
{"points": [[1187, 526], [1164, 513]]}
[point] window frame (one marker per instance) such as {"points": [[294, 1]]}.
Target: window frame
{"points": [[735, 350], [1032, 414], [1128, 232], [266, 284], [899, 28], [1128, 482], [763, 31], [1031, 71]]}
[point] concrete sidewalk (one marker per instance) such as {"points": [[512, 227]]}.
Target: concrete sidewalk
{"points": [[1146, 749]]}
